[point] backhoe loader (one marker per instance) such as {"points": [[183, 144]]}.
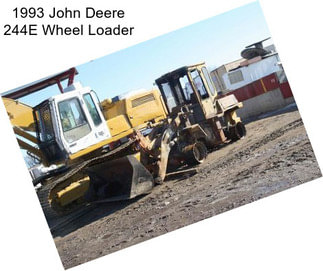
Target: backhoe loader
{"points": [[71, 132]]}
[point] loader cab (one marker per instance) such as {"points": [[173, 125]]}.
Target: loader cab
{"points": [[69, 122], [190, 87]]}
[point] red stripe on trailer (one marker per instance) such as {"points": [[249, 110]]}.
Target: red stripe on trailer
{"points": [[286, 90], [259, 88], [256, 88], [271, 82]]}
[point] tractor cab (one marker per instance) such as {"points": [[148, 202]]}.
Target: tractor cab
{"points": [[69, 122], [190, 92], [190, 87]]}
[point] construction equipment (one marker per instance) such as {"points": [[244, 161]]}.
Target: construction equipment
{"points": [[134, 109], [197, 120], [68, 131], [70, 125], [72, 133]]}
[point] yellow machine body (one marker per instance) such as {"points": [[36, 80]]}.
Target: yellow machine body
{"points": [[135, 111]]}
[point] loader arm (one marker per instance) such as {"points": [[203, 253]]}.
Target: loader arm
{"points": [[165, 148]]}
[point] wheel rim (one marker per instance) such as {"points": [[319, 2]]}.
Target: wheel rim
{"points": [[199, 152]]}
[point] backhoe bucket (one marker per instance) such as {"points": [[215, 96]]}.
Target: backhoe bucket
{"points": [[119, 179]]}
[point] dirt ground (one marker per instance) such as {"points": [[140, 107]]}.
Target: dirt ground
{"points": [[275, 155]]}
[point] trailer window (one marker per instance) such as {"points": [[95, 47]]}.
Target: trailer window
{"points": [[235, 77], [92, 109], [73, 121]]}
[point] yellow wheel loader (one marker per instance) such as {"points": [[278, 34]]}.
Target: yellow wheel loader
{"points": [[198, 120]]}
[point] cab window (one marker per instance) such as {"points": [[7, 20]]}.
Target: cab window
{"points": [[209, 80], [92, 109], [198, 82], [170, 99], [44, 121], [74, 123], [187, 89]]}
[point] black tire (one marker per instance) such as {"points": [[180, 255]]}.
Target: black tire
{"points": [[238, 131], [197, 154]]}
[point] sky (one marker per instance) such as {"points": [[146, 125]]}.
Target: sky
{"points": [[217, 40]]}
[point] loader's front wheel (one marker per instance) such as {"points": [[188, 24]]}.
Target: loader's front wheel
{"points": [[197, 154]]}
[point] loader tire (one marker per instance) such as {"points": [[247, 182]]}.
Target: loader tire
{"points": [[238, 131], [197, 154]]}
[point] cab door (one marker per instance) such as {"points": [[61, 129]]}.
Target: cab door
{"points": [[203, 93], [48, 142]]}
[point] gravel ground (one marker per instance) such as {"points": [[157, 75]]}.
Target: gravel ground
{"points": [[275, 155]]}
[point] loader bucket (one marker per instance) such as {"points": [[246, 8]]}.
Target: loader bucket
{"points": [[119, 179]]}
